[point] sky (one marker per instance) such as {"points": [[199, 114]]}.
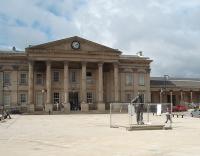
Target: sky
{"points": [[167, 31]]}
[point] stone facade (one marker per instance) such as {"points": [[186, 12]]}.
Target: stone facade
{"points": [[71, 74]]}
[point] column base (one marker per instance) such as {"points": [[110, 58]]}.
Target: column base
{"points": [[84, 107], [31, 108], [101, 107], [66, 107], [48, 108]]}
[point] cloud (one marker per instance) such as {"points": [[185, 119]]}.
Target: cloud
{"points": [[167, 31]]}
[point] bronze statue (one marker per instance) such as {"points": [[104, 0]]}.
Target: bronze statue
{"points": [[138, 102]]}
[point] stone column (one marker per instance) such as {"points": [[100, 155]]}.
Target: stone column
{"points": [[66, 87], [84, 105], [116, 85], [191, 97], [31, 106], [49, 106], [101, 104], [181, 97]]}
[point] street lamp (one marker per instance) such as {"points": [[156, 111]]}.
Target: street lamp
{"points": [[166, 77]]}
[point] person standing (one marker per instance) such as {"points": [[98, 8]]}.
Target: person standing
{"points": [[168, 116]]}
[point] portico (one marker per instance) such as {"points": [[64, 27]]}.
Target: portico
{"points": [[82, 84]]}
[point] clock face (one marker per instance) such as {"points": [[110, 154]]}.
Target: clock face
{"points": [[75, 45]]}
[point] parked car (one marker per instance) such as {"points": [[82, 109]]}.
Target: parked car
{"points": [[195, 113], [179, 108]]}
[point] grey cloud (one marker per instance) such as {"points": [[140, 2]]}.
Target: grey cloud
{"points": [[167, 31]]}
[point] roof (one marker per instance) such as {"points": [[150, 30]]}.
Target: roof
{"points": [[132, 57], [10, 51], [176, 82]]}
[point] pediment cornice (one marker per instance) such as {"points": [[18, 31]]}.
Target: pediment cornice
{"points": [[65, 45]]}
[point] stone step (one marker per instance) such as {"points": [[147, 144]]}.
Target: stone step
{"points": [[146, 127]]}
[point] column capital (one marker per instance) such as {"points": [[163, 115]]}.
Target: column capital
{"points": [[116, 64], [66, 62], [48, 62], [100, 64], [31, 62], [148, 70], [84, 63]]}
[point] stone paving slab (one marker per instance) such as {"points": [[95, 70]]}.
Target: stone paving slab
{"points": [[91, 135]]}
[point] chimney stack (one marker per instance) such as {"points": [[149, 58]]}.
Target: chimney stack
{"points": [[13, 48], [140, 54]]}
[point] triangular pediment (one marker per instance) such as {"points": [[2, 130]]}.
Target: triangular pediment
{"points": [[66, 45]]}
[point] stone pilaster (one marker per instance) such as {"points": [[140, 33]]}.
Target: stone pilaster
{"points": [[116, 84], [101, 104], [84, 105], [49, 106], [147, 83], [66, 87], [135, 82], [31, 106]]}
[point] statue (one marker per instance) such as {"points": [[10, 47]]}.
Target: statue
{"points": [[139, 108]]}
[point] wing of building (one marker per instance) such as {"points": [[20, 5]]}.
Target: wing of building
{"points": [[176, 90], [71, 74]]}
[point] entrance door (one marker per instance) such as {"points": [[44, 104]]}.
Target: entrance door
{"points": [[39, 101], [74, 102]]}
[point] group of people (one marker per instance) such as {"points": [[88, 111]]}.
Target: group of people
{"points": [[4, 115]]}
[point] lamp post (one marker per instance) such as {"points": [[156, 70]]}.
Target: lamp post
{"points": [[166, 77]]}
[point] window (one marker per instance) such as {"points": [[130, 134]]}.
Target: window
{"points": [[89, 74], [23, 98], [89, 97], [89, 77], [129, 78], [39, 99], [6, 100], [23, 78], [56, 97], [6, 78], [141, 79], [73, 76], [39, 79], [56, 76]]}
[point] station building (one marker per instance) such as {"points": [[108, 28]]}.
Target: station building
{"points": [[71, 74], [75, 74]]}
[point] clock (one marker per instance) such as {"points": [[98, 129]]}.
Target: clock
{"points": [[75, 45]]}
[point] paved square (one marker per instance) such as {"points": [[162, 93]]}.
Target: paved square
{"points": [[90, 135]]}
